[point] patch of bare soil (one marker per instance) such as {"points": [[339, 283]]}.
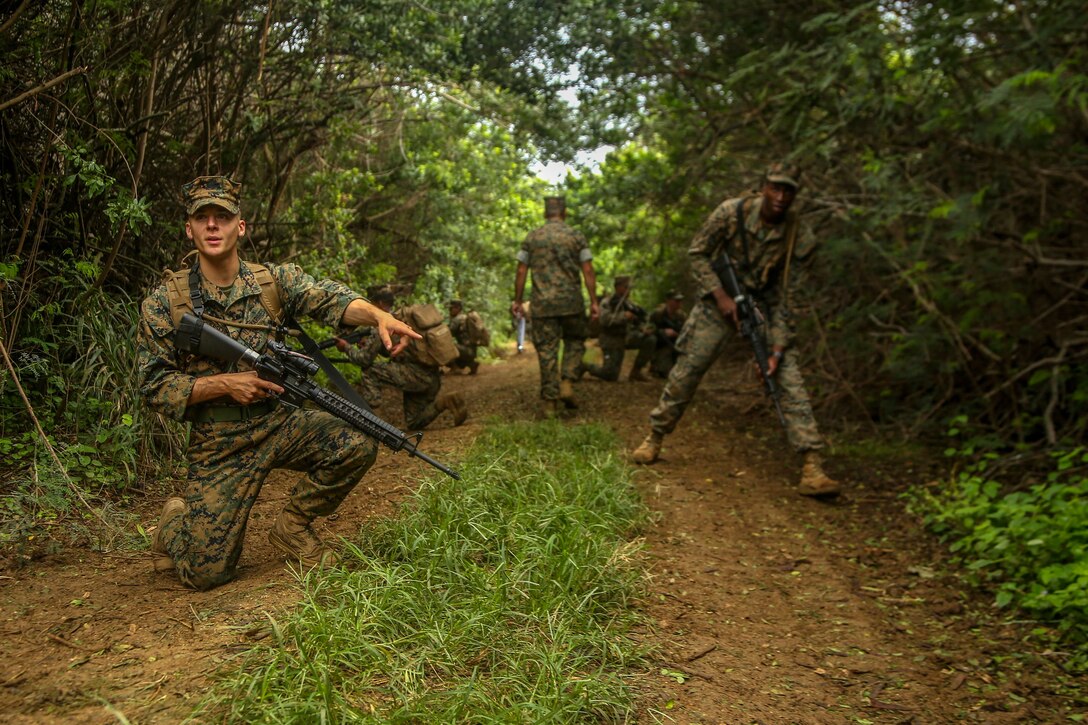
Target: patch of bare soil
{"points": [[763, 606]]}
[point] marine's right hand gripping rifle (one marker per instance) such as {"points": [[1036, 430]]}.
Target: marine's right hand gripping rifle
{"points": [[293, 372], [751, 326]]}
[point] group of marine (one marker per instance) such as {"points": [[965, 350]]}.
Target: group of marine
{"points": [[241, 429]]}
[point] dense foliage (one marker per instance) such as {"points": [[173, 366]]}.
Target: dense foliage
{"points": [[388, 142]]}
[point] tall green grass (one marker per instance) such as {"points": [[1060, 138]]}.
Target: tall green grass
{"points": [[503, 597]]}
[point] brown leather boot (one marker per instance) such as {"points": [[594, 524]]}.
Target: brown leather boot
{"points": [[549, 409], [566, 393], [292, 536], [649, 450], [814, 482], [173, 508], [455, 403]]}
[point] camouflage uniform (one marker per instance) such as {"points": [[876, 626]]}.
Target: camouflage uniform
{"points": [[419, 382], [706, 332], [230, 459], [555, 254], [459, 329], [617, 335], [665, 353]]}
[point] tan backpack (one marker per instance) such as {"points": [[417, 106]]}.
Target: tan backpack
{"points": [[437, 346], [475, 330]]}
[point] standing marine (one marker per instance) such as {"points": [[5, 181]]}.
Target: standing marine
{"points": [[239, 432], [770, 248], [412, 371], [560, 260], [622, 325]]}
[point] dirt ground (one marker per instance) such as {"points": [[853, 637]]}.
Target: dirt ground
{"points": [[762, 606]]}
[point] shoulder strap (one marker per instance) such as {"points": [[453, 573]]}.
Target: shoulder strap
{"points": [[791, 242], [743, 230], [271, 294]]}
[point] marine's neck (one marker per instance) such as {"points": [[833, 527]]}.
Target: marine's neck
{"points": [[220, 272]]}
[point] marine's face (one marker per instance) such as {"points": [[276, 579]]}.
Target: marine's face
{"points": [[215, 232], [455, 310], [672, 306], [777, 198], [622, 289]]}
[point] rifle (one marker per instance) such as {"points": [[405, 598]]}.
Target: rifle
{"points": [[351, 338], [293, 372], [751, 324], [637, 310]]}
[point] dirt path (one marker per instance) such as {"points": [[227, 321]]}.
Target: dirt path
{"points": [[770, 607]]}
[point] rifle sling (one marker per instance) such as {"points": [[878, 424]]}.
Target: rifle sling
{"points": [[335, 376]]}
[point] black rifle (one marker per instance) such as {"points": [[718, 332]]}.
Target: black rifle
{"points": [[293, 372], [751, 326], [351, 338], [637, 310]]}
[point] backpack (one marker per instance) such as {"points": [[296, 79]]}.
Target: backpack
{"points": [[475, 330], [437, 347], [177, 292]]}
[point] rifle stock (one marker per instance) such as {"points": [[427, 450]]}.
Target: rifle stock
{"points": [[293, 372]]}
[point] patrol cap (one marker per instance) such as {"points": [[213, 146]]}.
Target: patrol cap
{"points": [[206, 190], [554, 205], [674, 295], [457, 303], [623, 281], [783, 172], [382, 294]]}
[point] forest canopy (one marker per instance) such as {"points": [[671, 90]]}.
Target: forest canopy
{"points": [[392, 142]]}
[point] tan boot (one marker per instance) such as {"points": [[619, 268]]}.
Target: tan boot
{"points": [[173, 508], [292, 536], [549, 409], [814, 482], [455, 403], [649, 450], [566, 393]]}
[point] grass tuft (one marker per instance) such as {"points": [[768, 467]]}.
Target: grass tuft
{"points": [[503, 597]]}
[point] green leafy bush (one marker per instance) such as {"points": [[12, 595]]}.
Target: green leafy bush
{"points": [[1030, 545]]}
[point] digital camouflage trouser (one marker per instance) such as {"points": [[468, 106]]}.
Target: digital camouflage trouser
{"points": [[547, 334], [418, 383], [614, 350], [228, 463], [703, 338]]}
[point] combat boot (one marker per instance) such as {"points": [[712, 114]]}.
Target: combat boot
{"points": [[566, 393], [637, 376], [650, 448], [473, 367], [549, 409], [292, 536], [455, 403], [814, 482], [173, 508]]}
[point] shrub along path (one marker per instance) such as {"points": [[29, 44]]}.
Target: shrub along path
{"points": [[762, 606]]}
